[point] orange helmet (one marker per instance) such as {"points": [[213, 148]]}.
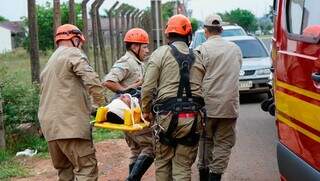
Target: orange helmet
{"points": [[179, 24], [67, 32], [136, 35], [313, 30]]}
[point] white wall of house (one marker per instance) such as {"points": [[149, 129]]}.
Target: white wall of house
{"points": [[5, 40]]}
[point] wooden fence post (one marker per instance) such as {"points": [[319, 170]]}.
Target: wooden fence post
{"points": [[110, 16], [56, 18], [2, 130], [34, 41], [72, 13], [101, 39], [85, 26]]}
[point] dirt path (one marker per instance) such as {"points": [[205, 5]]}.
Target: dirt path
{"points": [[112, 162]]}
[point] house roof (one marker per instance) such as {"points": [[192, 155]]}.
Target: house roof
{"points": [[13, 26]]}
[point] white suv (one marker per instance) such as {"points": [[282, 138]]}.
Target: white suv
{"points": [[228, 30]]}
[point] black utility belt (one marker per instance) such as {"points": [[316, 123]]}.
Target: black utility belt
{"points": [[179, 105]]}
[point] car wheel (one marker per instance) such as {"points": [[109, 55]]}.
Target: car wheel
{"points": [[265, 104], [272, 109]]}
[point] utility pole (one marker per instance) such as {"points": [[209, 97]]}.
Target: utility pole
{"points": [[156, 23], [72, 13], [34, 41], [85, 26], [56, 17]]}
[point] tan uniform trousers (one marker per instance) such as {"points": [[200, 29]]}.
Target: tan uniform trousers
{"points": [[140, 143], [175, 163], [215, 151], [74, 159]]}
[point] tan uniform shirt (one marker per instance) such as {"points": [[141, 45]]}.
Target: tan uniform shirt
{"points": [[223, 61], [64, 110], [162, 75], [126, 71]]}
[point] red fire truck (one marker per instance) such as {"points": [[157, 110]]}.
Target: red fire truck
{"points": [[296, 62]]}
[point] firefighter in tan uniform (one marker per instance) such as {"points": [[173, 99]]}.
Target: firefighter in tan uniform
{"points": [[222, 60], [173, 79], [64, 111], [127, 75]]}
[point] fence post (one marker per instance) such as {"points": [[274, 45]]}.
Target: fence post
{"points": [[136, 19], [85, 26], [94, 36], [2, 130], [123, 29], [128, 15], [133, 17], [156, 23], [56, 18], [34, 41], [117, 11], [101, 39], [110, 16], [72, 14]]}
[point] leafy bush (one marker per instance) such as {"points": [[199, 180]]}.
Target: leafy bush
{"points": [[20, 101], [17, 141]]}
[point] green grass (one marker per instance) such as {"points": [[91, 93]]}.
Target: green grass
{"points": [[100, 134], [17, 64], [12, 168], [9, 167]]}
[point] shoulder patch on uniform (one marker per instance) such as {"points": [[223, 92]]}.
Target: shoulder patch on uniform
{"points": [[118, 67]]}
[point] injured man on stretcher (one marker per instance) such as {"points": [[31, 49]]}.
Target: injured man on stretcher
{"points": [[117, 107], [123, 113]]}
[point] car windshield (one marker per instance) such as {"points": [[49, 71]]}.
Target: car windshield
{"points": [[198, 39], [251, 48], [233, 32]]}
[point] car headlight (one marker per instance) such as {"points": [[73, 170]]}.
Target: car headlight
{"points": [[263, 72]]}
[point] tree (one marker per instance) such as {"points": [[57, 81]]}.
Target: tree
{"points": [[45, 23], [2, 19], [194, 24], [168, 10], [265, 24], [241, 17]]}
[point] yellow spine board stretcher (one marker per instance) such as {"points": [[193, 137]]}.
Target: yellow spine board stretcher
{"points": [[133, 120]]}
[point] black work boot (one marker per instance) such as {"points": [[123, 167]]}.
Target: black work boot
{"points": [[140, 167], [214, 177], [204, 174], [131, 167]]}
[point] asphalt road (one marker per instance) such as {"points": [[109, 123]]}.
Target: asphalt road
{"points": [[254, 156]]}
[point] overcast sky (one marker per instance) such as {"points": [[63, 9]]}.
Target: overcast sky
{"points": [[14, 9]]}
